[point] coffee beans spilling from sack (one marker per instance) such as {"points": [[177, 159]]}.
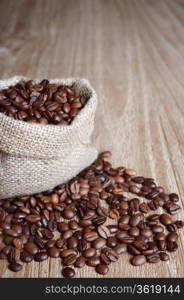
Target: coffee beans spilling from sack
{"points": [[91, 220], [43, 103]]}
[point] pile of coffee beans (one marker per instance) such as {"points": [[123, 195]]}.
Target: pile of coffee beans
{"points": [[91, 220], [44, 103]]}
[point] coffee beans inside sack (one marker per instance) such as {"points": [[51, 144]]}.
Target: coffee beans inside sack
{"points": [[45, 133]]}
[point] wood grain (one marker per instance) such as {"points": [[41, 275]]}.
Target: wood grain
{"points": [[132, 52]]}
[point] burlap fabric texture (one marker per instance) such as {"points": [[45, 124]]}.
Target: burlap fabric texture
{"points": [[36, 157]]}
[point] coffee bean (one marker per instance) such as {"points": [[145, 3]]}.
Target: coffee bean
{"points": [[41, 256], [90, 236], [99, 243], [90, 252], [31, 248], [72, 242], [135, 219], [68, 272], [172, 246], [53, 252], [140, 245], [102, 269], [26, 257], [172, 208], [15, 267], [153, 258], [133, 250], [165, 219], [47, 234], [138, 260], [80, 262], [120, 248], [173, 197], [162, 245], [33, 218], [68, 214], [112, 241], [110, 254], [157, 228], [172, 227], [69, 260], [103, 231], [93, 261], [82, 245], [172, 237], [164, 256], [62, 227], [67, 252]]}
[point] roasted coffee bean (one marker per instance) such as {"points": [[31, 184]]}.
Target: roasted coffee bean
{"points": [[112, 228], [172, 246], [135, 219], [53, 252], [62, 227], [138, 179], [90, 252], [39, 242], [33, 218], [120, 248], [112, 241], [90, 236], [157, 228], [102, 269], [68, 272], [80, 262], [162, 245], [99, 243], [31, 248], [68, 214], [67, 234], [140, 245], [15, 267], [41, 256], [47, 234], [134, 231], [17, 243], [143, 207], [133, 250], [103, 231], [93, 261], [69, 260], [134, 205], [138, 260], [52, 225], [160, 236], [146, 232], [72, 242], [179, 224], [67, 252], [165, 219], [164, 256], [173, 197], [153, 258], [172, 237], [172, 227], [172, 208], [110, 254], [26, 257], [73, 225]]}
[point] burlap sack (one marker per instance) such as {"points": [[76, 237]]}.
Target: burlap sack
{"points": [[35, 157]]}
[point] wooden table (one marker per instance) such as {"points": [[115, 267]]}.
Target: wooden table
{"points": [[133, 54]]}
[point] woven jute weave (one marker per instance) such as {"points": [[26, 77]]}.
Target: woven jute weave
{"points": [[36, 157]]}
